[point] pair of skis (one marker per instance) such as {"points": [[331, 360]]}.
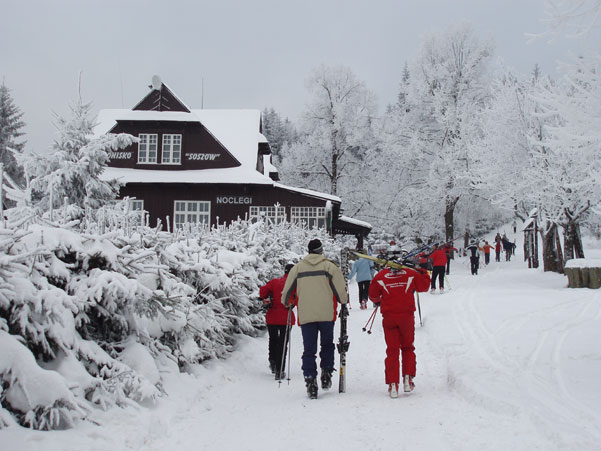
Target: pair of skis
{"points": [[343, 341]]}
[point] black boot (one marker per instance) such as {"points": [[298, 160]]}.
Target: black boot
{"points": [[326, 378], [280, 375], [311, 384], [272, 366]]}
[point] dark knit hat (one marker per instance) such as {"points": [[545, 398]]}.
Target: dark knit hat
{"points": [[288, 267], [315, 247]]}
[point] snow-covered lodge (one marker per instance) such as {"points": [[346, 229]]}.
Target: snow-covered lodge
{"points": [[208, 167]]}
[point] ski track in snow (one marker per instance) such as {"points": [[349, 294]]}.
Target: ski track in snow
{"points": [[499, 367]]}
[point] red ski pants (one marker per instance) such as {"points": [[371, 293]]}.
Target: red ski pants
{"points": [[399, 331]]}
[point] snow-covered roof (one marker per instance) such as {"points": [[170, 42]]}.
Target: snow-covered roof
{"points": [[309, 192], [237, 175], [355, 221], [236, 130]]}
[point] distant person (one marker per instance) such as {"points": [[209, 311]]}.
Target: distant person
{"points": [[277, 322], [487, 248], [474, 252], [393, 290], [514, 226], [449, 248], [498, 250], [439, 263], [507, 247], [364, 270], [320, 286]]}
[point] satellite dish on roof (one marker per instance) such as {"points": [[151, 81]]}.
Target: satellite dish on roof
{"points": [[156, 82]]}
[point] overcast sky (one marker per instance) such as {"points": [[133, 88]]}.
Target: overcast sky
{"points": [[250, 54]]}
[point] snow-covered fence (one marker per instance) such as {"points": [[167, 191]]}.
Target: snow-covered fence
{"points": [[583, 273]]}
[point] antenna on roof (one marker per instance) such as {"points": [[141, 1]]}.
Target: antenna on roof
{"points": [[156, 82]]}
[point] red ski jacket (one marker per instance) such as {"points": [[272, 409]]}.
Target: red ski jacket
{"points": [[277, 315], [439, 257], [393, 290]]}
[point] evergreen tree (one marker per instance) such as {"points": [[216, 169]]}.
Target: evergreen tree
{"points": [[71, 174], [10, 131]]}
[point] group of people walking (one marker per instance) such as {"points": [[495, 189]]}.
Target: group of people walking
{"points": [[317, 288]]}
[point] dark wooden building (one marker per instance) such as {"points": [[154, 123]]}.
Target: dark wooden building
{"points": [[208, 167]]}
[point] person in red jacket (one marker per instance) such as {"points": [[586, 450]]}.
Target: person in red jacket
{"points": [[393, 291], [439, 263], [277, 322]]}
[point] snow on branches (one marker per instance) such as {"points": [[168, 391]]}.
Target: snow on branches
{"points": [[89, 320]]}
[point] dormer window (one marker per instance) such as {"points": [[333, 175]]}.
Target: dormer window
{"points": [[172, 149], [147, 148]]}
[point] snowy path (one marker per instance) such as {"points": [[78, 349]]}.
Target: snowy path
{"points": [[508, 359]]}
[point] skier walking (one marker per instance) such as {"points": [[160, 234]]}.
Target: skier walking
{"points": [[474, 257], [448, 248], [320, 286], [498, 249], [393, 290], [486, 248], [363, 269], [439, 262], [277, 322]]}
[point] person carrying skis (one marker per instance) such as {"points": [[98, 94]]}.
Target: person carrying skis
{"points": [[363, 269], [439, 262], [320, 286], [507, 247], [277, 322], [474, 256], [392, 289]]}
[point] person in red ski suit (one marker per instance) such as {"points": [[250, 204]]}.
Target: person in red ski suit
{"points": [[393, 291], [439, 263], [277, 322]]}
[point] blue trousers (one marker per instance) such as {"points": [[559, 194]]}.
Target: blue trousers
{"points": [[326, 354]]}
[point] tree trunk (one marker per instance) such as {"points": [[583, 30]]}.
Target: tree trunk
{"points": [[550, 257], [572, 241], [449, 213]]}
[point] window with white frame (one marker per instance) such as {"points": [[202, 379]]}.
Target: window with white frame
{"points": [[191, 212], [274, 214], [308, 216], [172, 149], [147, 148], [137, 207]]}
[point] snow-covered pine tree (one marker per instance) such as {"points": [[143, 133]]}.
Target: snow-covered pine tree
{"points": [[11, 127], [71, 173]]}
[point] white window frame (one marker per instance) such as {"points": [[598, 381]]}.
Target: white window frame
{"points": [[145, 153], [310, 217], [137, 205], [169, 152], [274, 214], [193, 212]]}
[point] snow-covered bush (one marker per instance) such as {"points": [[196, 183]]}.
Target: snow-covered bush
{"points": [[92, 311]]}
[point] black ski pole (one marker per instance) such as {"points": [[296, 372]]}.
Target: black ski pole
{"points": [[419, 310], [285, 348]]}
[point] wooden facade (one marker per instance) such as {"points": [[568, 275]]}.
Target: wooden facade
{"points": [[208, 166]]}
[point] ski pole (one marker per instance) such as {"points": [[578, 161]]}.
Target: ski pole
{"points": [[419, 310], [374, 318], [373, 315], [285, 348]]}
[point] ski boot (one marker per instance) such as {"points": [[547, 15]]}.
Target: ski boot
{"points": [[408, 384], [433, 291], [280, 375], [311, 384], [326, 378], [393, 390]]}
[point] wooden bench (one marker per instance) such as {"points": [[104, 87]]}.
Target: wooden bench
{"points": [[583, 273]]}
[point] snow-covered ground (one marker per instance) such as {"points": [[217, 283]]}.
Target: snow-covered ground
{"points": [[507, 359]]}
